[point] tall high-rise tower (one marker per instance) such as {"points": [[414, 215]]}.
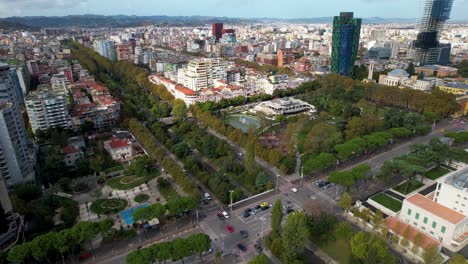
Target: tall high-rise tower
{"points": [[426, 48], [345, 43], [16, 156], [217, 31]]}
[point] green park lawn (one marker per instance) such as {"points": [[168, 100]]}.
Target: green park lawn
{"points": [[129, 182], [108, 206], [435, 173], [388, 202], [414, 184], [141, 198]]}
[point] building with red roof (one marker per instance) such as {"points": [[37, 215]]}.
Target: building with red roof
{"points": [[119, 149]]}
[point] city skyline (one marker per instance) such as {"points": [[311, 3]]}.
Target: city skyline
{"points": [[250, 8]]}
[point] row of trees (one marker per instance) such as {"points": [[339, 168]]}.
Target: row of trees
{"points": [[421, 158], [148, 141], [50, 246], [349, 178], [175, 206], [458, 137], [174, 250]]}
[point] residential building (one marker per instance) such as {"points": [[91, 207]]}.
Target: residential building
{"points": [[345, 43], [16, 158], [32, 67], [452, 191], [46, 109], [124, 52], [105, 48], [60, 84], [200, 73], [119, 149], [71, 155], [303, 65]]}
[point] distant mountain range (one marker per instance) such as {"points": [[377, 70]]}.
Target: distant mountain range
{"points": [[93, 21]]}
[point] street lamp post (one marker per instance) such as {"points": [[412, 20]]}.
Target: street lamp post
{"points": [[230, 192], [277, 182], [302, 176]]}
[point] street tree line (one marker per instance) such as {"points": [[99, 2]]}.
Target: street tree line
{"points": [[174, 250], [175, 207], [156, 152], [52, 246]]}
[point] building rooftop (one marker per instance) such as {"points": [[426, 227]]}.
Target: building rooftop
{"points": [[457, 85], [399, 73], [434, 208], [457, 179], [400, 227]]}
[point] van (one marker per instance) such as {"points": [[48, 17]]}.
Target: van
{"points": [[208, 196]]}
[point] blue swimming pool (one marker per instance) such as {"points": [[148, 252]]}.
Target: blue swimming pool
{"points": [[127, 214]]}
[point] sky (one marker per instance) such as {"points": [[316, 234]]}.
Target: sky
{"points": [[228, 8]]}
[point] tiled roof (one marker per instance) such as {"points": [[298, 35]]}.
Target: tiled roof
{"points": [[70, 150], [400, 227], [437, 209], [117, 143]]}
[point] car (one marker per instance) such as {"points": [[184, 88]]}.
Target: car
{"points": [[225, 214], [264, 204], [208, 196], [289, 210], [294, 190], [247, 212], [229, 228], [258, 248], [208, 251], [220, 216], [256, 209], [244, 233], [241, 247]]}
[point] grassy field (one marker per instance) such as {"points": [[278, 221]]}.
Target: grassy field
{"points": [[412, 186], [435, 173], [141, 198], [129, 182], [108, 206], [388, 202]]}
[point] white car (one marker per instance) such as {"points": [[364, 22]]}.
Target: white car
{"points": [[226, 215], [294, 190]]}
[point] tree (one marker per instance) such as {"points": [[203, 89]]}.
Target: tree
{"points": [[249, 159], [410, 69], [181, 150], [319, 163], [345, 201], [261, 180], [359, 245], [431, 256], [294, 235], [143, 213], [377, 219], [19, 253], [180, 249], [458, 259], [87, 126], [277, 217], [179, 109], [322, 137], [260, 259], [200, 243], [343, 178], [343, 230]]}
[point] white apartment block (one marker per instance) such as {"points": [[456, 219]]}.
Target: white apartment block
{"points": [[452, 191], [47, 109], [60, 84], [16, 158], [200, 73]]}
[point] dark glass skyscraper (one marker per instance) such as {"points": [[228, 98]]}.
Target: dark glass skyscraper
{"points": [[426, 48], [217, 31], [345, 43]]}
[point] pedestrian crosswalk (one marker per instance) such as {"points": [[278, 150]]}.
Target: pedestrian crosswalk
{"points": [[249, 250]]}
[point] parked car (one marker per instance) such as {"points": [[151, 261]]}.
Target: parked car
{"points": [[247, 212], [220, 216], [256, 209], [294, 190], [241, 247], [208, 196], [244, 233], [225, 214], [289, 210], [229, 228]]}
